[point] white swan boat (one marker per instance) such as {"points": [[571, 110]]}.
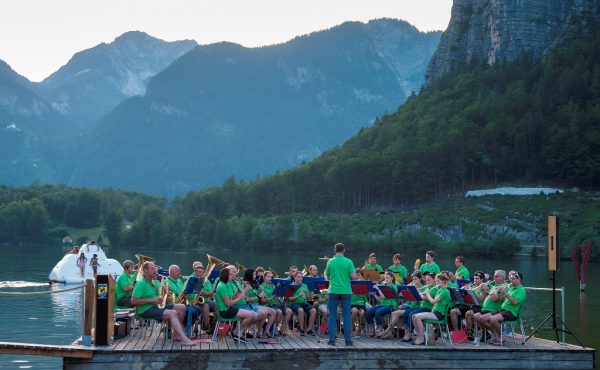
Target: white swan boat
{"points": [[68, 270]]}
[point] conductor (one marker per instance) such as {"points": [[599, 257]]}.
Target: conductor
{"points": [[339, 272]]}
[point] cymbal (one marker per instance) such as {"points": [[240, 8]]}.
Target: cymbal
{"points": [[324, 258]]}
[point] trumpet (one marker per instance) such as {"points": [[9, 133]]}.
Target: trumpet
{"points": [[495, 289]]}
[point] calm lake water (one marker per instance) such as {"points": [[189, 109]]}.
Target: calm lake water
{"points": [[57, 318]]}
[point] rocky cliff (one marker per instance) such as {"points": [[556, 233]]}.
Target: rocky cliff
{"points": [[494, 30]]}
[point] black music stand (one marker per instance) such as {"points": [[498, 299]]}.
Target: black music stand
{"points": [[456, 296]]}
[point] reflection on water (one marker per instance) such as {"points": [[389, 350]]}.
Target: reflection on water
{"points": [[20, 284], [57, 318]]}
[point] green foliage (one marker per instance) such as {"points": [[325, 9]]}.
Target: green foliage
{"points": [[113, 226], [520, 122], [38, 213]]}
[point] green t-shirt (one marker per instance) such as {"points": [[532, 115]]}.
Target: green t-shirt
{"points": [[518, 293], [432, 292], [442, 305], [453, 284], [271, 299], [224, 290], [480, 295], [339, 270], [430, 268], [359, 299], [124, 280], [400, 270], [176, 285], [462, 271], [143, 290], [491, 305], [392, 302], [301, 299], [373, 267], [206, 288], [415, 304]]}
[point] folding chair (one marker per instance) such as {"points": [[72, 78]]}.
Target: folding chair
{"points": [[439, 323]]}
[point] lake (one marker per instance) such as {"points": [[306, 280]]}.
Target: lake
{"points": [[57, 318]]}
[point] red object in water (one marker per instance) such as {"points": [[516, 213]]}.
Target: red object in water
{"points": [[585, 256], [575, 256]]}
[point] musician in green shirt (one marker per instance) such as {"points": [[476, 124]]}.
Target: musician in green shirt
{"points": [[124, 285], [299, 305], [440, 303], [372, 263], [461, 271], [430, 265], [175, 280], [493, 302], [145, 297], [514, 297], [399, 270]]}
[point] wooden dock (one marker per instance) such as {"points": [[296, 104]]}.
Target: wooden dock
{"points": [[152, 351]]}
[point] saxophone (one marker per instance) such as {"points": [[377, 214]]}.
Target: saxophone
{"points": [[165, 293]]}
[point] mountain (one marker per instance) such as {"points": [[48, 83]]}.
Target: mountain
{"points": [[95, 80], [489, 31], [522, 122], [223, 109], [30, 130]]}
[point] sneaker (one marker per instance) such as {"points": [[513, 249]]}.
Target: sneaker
{"points": [[349, 343], [239, 339], [487, 337], [470, 336], [331, 342]]}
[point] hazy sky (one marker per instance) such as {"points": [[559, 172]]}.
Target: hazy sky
{"points": [[39, 36]]}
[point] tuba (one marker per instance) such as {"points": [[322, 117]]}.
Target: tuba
{"points": [[212, 263], [273, 272], [305, 271], [239, 267], [141, 259]]}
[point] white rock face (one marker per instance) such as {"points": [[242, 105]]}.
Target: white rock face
{"points": [[512, 191], [67, 271]]}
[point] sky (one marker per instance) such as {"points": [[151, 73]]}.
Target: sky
{"points": [[37, 37]]}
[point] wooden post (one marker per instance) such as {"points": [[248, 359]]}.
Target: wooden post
{"points": [[88, 312], [104, 317]]}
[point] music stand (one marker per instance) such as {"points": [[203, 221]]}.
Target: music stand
{"points": [[410, 293], [361, 287], [462, 282], [456, 296], [388, 291], [193, 285], [214, 274], [321, 284], [469, 297], [281, 286], [371, 275], [290, 290]]}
